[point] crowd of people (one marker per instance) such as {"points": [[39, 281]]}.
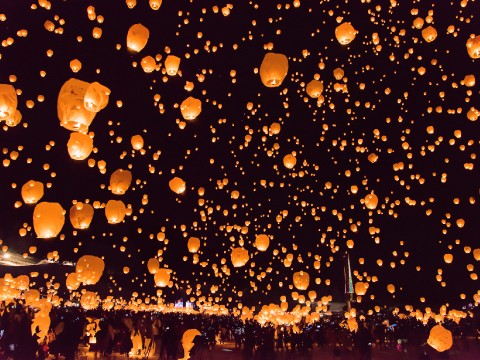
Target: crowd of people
{"points": [[159, 335]]}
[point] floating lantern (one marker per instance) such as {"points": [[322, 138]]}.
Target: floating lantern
{"points": [[172, 63], [177, 185], [191, 108], [137, 37], [193, 244], [262, 242], [239, 257], [48, 219], [81, 215], [345, 33], [120, 181], [301, 280], [115, 211], [440, 338], [32, 192], [274, 69], [79, 146]]}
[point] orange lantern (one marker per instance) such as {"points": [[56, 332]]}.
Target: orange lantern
{"points": [[79, 146], [289, 161], [301, 280], [177, 185], [89, 269], [172, 63], [8, 101], [137, 37], [440, 338], [115, 211], [314, 89], [162, 277], [371, 201], [81, 215], [473, 47], [429, 34], [239, 256], [72, 281], [191, 108], [153, 265], [345, 33], [193, 244], [137, 142], [274, 69], [96, 97], [48, 219], [120, 181], [32, 192], [70, 106], [262, 242]]}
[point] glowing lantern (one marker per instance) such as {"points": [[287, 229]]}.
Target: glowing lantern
{"points": [[448, 258], [301, 280], [72, 281], [473, 47], [391, 288], [89, 300], [352, 324], [137, 142], [48, 219], [8, 101], [162, 277], [289, 161], [32, 192], [137, 37], [239, 256], [314, 88], [274, 69], [262, 242], [79, 146], [115, 211], [429, 34], [440, 338], [31, 297], [345, 33], [21, 282], [70, 106], [131, 3], [190, 108], [89, 269], [172, 63], [193, 245], [360, 289], [338, 73], [177, 185], [371, 201], [120, 181], [14, 120], [476, 254], [75, 65], [153, 265], [148, 64], [96, 97], [81, 215], [155, 4]]}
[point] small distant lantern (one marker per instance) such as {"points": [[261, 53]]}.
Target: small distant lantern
{"points": [[429, 34], [48, 219], [137, 142], [162, 277], [8, 101], [120, 181], [32, 192], [473, 47], [115, 211], [371, 201], [301, 280], [172, 63], [75, 65], [70, 106], [193, 245], [148, 64], [153, 265], [137, 37], [81, 215], [191, 108], [289, 161], [79, 146], [239, 257], [314, 89], [440, 338], [177, 185], [345, 33], [274, 69], [262, 242]]}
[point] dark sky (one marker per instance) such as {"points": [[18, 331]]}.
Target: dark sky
{"points": [[332, 141]]}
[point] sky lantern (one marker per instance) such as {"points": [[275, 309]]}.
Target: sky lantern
{"points": [[8, 101], [177, 185], [96, 97], [239, 256], [473, 47], [48, 219], [301, 280], [429, 34], [391, 288], [75, 65], [193, 244], [360, 288], [172, 63], [440, 338], [371, 201], [314, 89], [153, 265], [274, 69], [162, 277], [448, 258], [115, 211], [70, 106], [137, 142], [262, 242], [32, 192], [131, 3], [72, 282], [120, 181], [148, 64], [89, 269], [345, 33], [89, 300], [137, 37], [79, 146], [14, 120], [191, 108], [155, 4], [81, 215], [289, 161], [338, 73]]}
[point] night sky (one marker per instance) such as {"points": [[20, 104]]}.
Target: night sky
{"points": [[404, 101]]}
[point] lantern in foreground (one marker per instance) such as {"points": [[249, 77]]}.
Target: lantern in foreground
{"points": [[289, 161], [89, 269], [429, 34], [48, 219], [137, 37], [72, 281], [120, 181], [96, 97], [177, 185], [191, 108], [345, 33], [155, 4], [8, 101], [473, 47], [274, 69], [89, 300], [301, 280], [262, 242], [79, 146], [172, 63], [153, 265], [239, 257], [371, 201], [137, 142], [440, 338], [70, 106], [162, 277], [360, 288], [81, 215], [314, 89], [193, 244], [32, 192], [115, 211]]}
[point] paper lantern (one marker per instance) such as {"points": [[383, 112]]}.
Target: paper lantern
{"points": [[162, 277], [172, 63], [96, 97], [391, 288], [81, 215], [137, 37], [155, 4], [177, 185], [262, 242], [72, 281], [345, 33], [70, 106], [188, 342], [352, 324], [338, 73], [193, 244], [301, 280], [89, 300], [14, 120], [239, 257], [8, 101], [190, 108], [115, 211], [131, 3], [314, 88], [448, 258], [48, 219], [371, 201], [89, 269], [148, 64], [31, 297], [274, 69], [79, 146], [289, 161], [440, 338], [137, 142], [473, 47], [21, 282], [32, 192], [75, 65], [429, 34], [120, 181], [153, 265], [360, 289]]}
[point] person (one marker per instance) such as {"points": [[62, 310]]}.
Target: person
{"points": [[363, 342], [169, 343]]}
